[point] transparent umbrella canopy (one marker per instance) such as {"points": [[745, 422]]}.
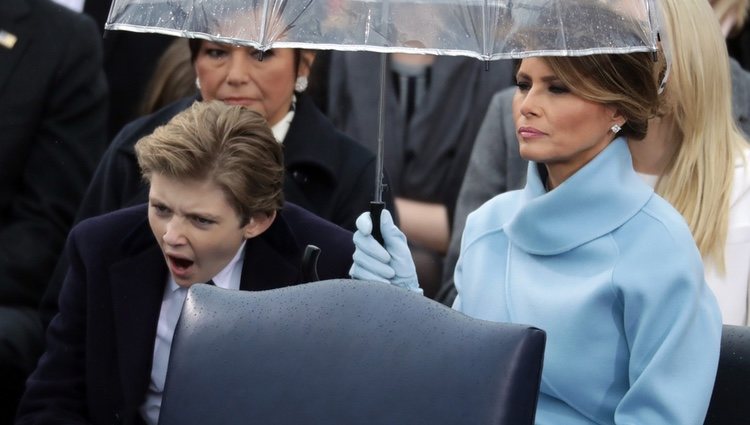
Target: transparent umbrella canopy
{"points": [[483, 29]]}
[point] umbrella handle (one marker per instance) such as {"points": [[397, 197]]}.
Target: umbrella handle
{"points": [[375, 209], [310, 263]]}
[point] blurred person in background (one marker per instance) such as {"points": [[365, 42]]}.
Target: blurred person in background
{"points": [[129, 62], [53, 105], [173, 78], [732, 16]]}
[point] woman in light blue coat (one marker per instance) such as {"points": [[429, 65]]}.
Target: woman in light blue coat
{"points": [[693, 140], [586, 251]]}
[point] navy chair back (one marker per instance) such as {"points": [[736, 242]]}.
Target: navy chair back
{"points": [[730, 401], [346, 352]]}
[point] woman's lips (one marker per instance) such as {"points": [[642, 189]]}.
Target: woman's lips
{"points": [[530, 132], [242, 101]]}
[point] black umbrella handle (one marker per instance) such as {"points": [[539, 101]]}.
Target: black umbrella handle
{"points": [[310, 263], [375, 210]]}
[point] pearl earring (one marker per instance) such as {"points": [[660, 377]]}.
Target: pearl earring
{"points": [[615, 128], [198, 83], [301, 84]]}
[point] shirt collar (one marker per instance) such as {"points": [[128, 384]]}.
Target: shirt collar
{"points": [[281, 128]]}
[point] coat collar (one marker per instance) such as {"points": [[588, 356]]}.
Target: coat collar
{"points": [[597, 199], [138, 282], [307, 142], [273, 259]]}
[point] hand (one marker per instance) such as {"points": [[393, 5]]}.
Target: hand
{"points": [[390, 264]]}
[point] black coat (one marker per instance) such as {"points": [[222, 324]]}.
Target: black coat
{"points": [[97, 364], [53, 99], [327, 173]]}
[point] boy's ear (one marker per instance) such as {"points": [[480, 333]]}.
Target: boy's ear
{"points": [[258, 224]]}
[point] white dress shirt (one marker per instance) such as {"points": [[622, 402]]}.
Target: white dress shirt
{"points": [[171, 305], [282, 127], [731, 288]]}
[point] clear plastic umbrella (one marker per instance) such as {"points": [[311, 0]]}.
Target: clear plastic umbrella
{"points": [[483, 29]]}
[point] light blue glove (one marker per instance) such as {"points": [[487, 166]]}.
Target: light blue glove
{"points": [[392, 264]]}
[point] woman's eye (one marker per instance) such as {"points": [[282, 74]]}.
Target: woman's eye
{"points": [[215, 53], [523, 86], [558, 89]]}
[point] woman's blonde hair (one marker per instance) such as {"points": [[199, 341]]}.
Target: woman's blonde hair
{"points": [[698, 179]]}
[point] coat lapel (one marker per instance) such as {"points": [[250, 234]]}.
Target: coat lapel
{"points": [[272, 260], [138, 284]]}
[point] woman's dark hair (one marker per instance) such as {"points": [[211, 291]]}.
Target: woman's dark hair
{"points": [[195, 48], [629, 82]]}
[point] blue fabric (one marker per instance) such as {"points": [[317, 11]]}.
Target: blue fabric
{"points": [[610, 271]]}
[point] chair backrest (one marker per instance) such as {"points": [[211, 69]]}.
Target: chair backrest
{"points": [[346, 352], [730, 401]]}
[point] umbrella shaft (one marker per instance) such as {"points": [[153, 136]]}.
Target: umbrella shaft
{"points": [[381, 130]]}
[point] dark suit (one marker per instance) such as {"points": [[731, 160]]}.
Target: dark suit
{"points": [[99, 347], [52, 118], [425, 156], [52, 132]]}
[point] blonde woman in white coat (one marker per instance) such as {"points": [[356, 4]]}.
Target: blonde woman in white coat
{"points": [[697, 158]]}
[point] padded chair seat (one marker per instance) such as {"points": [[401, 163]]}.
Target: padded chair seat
{"points": [[346, 352], [729, 402]]}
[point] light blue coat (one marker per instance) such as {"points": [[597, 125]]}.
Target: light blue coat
{"points": [[610, 271]]}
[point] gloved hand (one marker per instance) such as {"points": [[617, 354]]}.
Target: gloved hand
{"points": [[392, 264]]}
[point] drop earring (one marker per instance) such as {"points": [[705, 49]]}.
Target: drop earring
{"points": [[301, 84], [615, 128], [197, 83]]}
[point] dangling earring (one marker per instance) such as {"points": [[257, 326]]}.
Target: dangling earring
{"points": [[615, 128], [301, 84], [197, 83]]}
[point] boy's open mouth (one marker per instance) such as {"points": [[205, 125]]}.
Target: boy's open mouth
{"points": [[180, 263]]}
